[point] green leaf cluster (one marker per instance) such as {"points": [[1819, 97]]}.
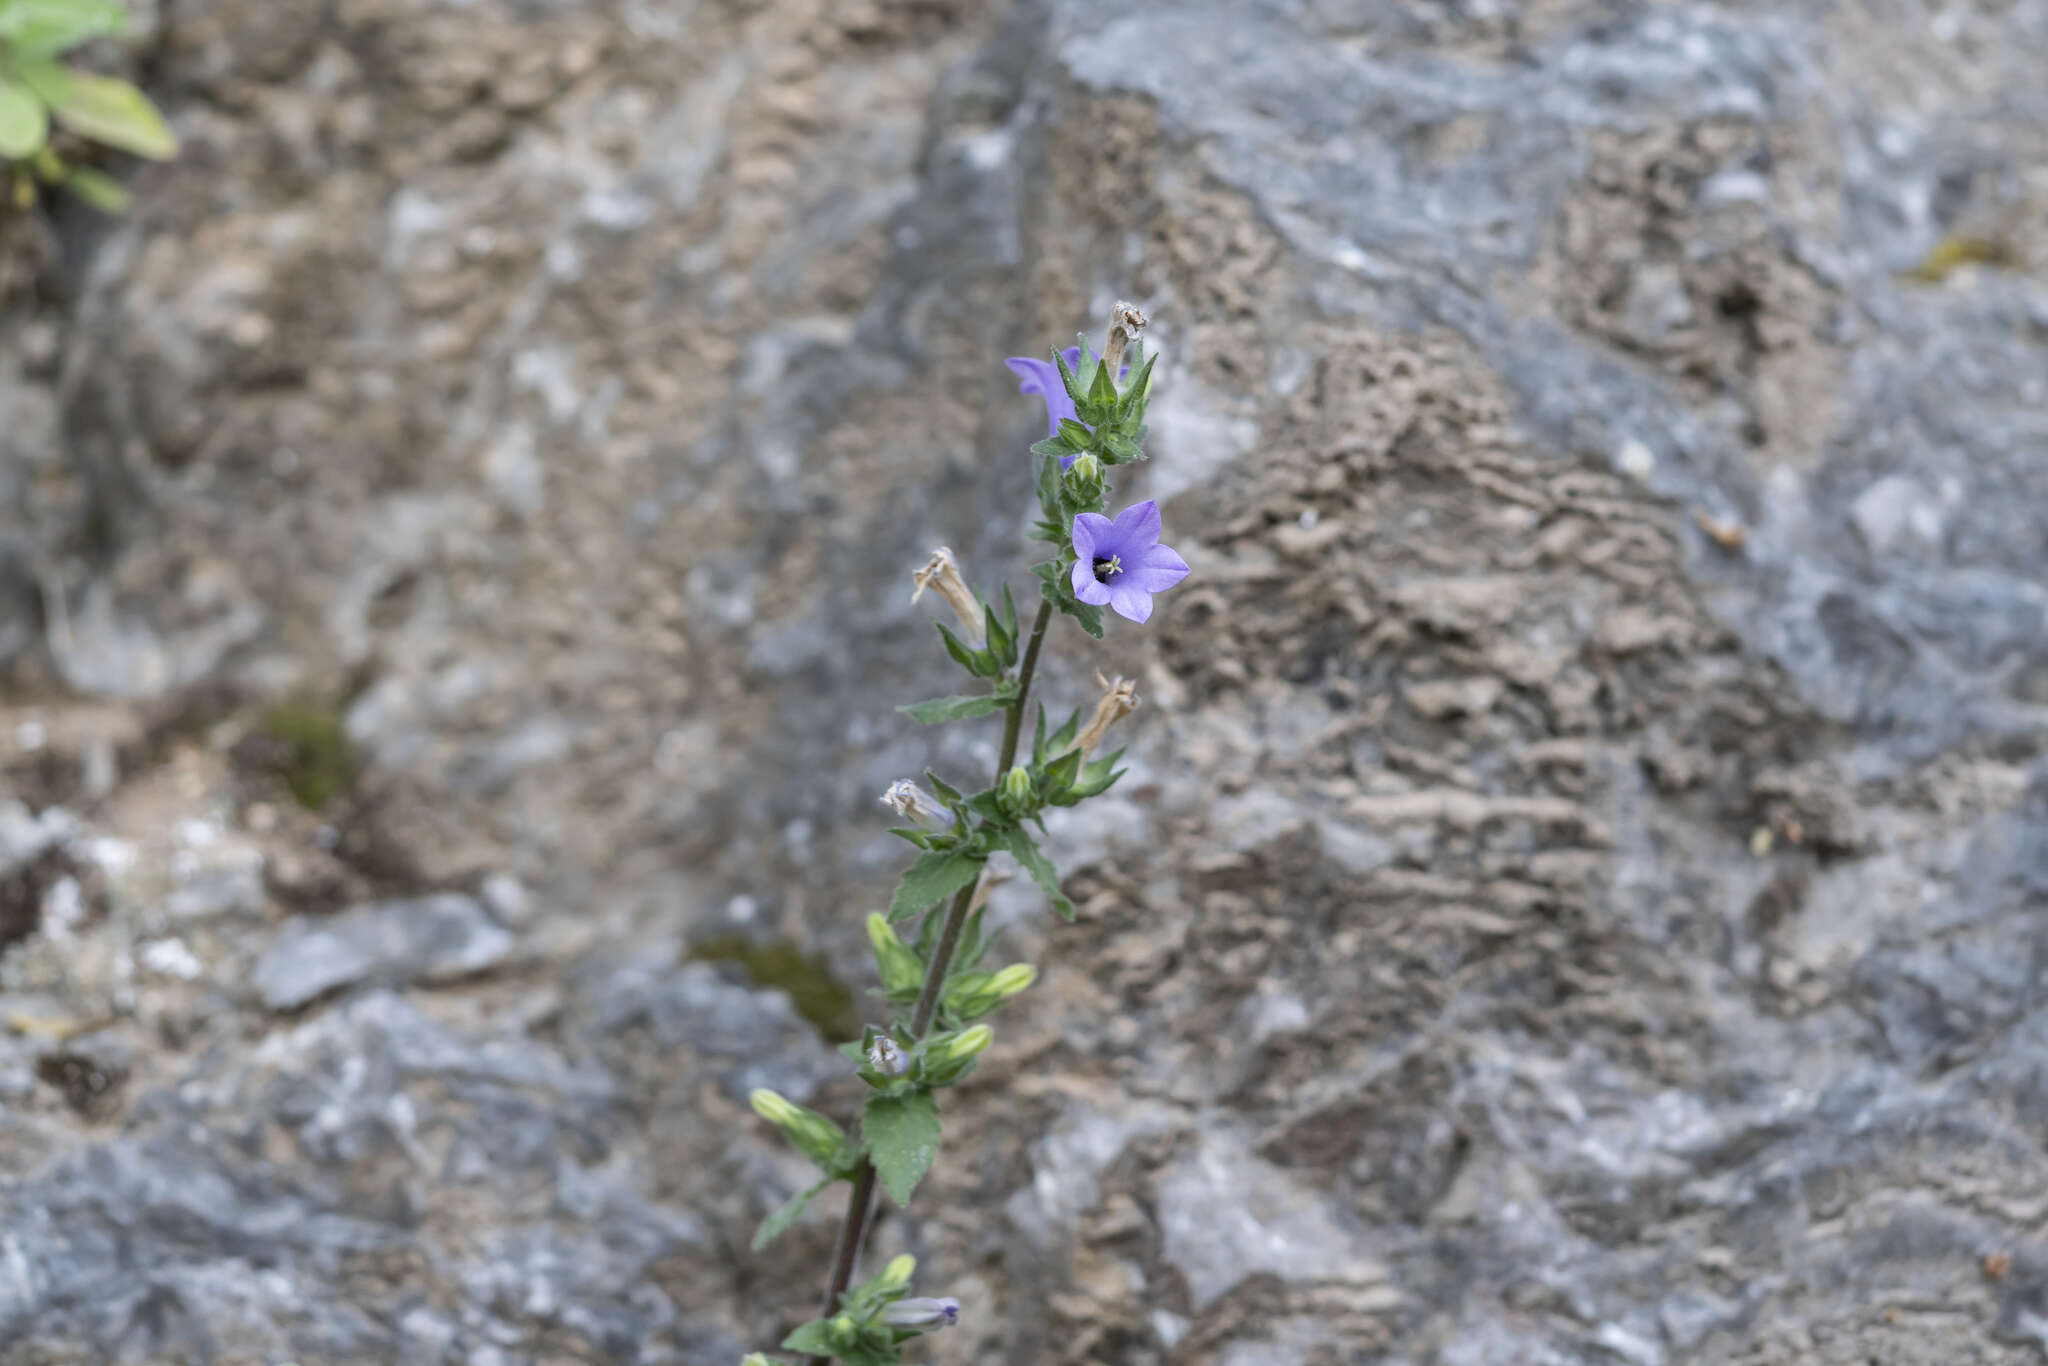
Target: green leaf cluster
{"points": [[37, 92], [857, 1332]]}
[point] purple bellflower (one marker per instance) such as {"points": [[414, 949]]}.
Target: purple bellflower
{"points": [[1042, 377], [1120, 564]]}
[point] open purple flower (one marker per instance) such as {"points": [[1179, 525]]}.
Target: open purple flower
{"points": [[1120, 564], [1042, 377]]}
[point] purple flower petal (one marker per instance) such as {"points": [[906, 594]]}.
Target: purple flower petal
{"points": [[1088, 588], [1041, 377], [1137, 527], [1129, 601], [1091, 529], [1157, 569]]}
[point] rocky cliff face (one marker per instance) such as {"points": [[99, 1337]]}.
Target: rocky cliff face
{"points": [[1579, 897]]}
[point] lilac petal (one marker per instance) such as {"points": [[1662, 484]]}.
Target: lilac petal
{"points": [[1130, 601], [1157, 569], [1138, 526], [1087, 587], [1042, 378], [1091, 531]]}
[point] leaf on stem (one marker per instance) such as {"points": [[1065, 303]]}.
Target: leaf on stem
{"points": [[780, 1222], [934, 877], [938, 709], [1034, 862], [902, 1133], [814, 1337]]}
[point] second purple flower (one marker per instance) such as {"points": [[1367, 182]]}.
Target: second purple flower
{"points": [[1120, 564]]}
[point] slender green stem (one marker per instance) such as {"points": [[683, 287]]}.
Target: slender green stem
{"points": [[853, 1232]]}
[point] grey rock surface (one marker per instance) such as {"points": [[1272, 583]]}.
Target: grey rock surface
{"points": [[432, 939], [1578, 897]]}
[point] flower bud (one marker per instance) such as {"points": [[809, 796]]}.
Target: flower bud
{"points": [[1016, 795], [844, 1330], [965, 1044], [922, 1313], [817, 1137], [1084, 478], [974, 994], [896, 1275], [942, 575], [1119, 699], [759, 1359], [901, 968], [913, 803]]}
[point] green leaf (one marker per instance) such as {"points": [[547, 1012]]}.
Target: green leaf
{"points": [[1063, 739], [971, 946], [1001, 642], [104, 108], [1102, 389], [780, 1222], [1049, 495], [937, 709], [1034, 862], [1009, 613], [934, 877], [24, 125], [921, 838], [1133, 399], [1038, 739], [1122, 447], [1061, 772], [968, 659], [814, 1337], [37, 29], [944, 790], [1075, 390], [903, 1138], [1052, 445], [96, 188], [1076, 436]]}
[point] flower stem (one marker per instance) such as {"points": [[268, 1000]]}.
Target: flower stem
{"points": [[854, 1231]]}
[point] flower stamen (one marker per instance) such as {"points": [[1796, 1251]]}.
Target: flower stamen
{"points": [[1113, 565]]}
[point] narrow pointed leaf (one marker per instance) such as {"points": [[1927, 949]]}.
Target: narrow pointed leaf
{"points": [[106, 109], [96, 188], [945, 791], [780, 1222], [1033, 861], [937, 709], [1076, 391]]}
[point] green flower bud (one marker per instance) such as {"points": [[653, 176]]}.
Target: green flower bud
{"points": [[901, 968], [815, 1136], [896, 1275], [1017, 797], [969, 1042], [948, 1057], [844, 1330], [1084, 478], [760, 1359], [974, 994]]}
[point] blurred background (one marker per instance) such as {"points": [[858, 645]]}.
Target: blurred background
{"points": [[1579, 893]]}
